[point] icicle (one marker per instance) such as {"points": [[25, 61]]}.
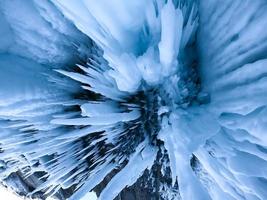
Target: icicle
{"points": [[142, 159], [171, 33], [92, 181]]}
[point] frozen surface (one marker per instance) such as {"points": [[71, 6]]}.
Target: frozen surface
{"points": [[102, 93]]}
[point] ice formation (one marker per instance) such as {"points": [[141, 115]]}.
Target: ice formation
{"points": [[98, 95]]}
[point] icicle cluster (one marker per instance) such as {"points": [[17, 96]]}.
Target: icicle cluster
{"points": [[107, 93]]}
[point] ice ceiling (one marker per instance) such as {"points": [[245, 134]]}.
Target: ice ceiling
{"points": [[101, 94]]}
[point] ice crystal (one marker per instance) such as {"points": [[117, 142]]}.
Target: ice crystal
{"points": [[168, 96]]}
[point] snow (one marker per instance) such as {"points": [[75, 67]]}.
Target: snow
{"points": [[8, 195]]}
